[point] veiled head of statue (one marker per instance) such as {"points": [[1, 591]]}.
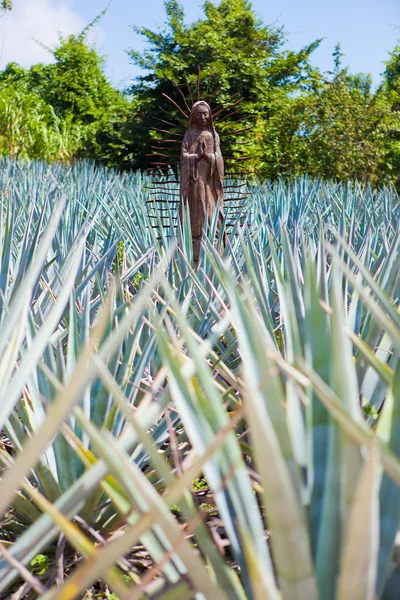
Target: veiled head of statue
{"points": [[201, 117]]}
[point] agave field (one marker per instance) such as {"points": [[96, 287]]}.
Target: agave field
{"points": [[226, 433]]}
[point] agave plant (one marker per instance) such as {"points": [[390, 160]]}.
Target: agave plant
{"points": [[272, 371]]}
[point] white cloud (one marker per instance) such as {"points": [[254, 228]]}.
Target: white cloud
{"points": [[32, 20]]}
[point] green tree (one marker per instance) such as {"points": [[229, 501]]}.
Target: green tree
{"points": [[241, 53], [391, 91], [392, 77], [75, 82], [79, 94], [76, 86], [343, 127], [340, 128]]}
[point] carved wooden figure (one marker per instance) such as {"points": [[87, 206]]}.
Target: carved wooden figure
{"points": [[201, 172]]}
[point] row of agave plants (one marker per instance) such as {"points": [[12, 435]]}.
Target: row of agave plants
{"points": [[272, 371]]}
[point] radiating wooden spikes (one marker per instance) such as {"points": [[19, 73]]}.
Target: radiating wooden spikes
{"points": [[161, 148], [166, 122], [228, 133], [223, 106], [238, 159], [215, 93], [243, 143], [176, 105], [208, 86], [223, 123], [183, 96], [167, 113], [198, 83], [154, 154], [189, 89], [165, 131], [226, 108], [163, 141]]}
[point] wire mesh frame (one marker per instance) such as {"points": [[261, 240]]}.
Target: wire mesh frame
{"points": [[163, 202]]}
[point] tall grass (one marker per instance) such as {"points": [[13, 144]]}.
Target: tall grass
{"points": [[29, 128]]}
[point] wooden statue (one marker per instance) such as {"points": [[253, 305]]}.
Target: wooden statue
{"points": [[201, 173]]}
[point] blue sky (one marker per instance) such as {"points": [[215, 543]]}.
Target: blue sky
{"points": [[366, 29]]}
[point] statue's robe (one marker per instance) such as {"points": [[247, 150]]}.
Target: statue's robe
{"points": [[201, 184]]}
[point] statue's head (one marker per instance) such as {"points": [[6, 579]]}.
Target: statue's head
{"points": [[200, 116]]}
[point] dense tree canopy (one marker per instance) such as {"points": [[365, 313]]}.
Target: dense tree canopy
{"points": [[332, 125], [240, 54], [293, 118], [390, 92], [72, 94], [341, 128]]}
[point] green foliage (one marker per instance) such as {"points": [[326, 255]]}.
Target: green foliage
{"points": [[293, 120], [302, 121], [199, 484], [329, 125], [342, 128], [74, 84], [72, 102], [392, 75], [137, 280], [39, 564], [76, 87], [339, 128], [31, 129], [391, 91], [241, 53], [370, 412]]}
